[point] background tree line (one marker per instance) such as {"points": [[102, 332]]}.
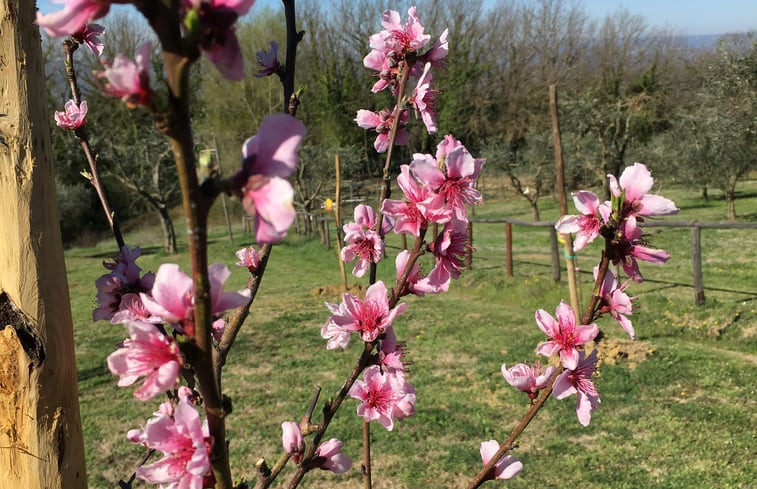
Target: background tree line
{"points": [[628, 92]]}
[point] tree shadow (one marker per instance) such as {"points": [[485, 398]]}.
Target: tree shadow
{"points": [[146, 250]]}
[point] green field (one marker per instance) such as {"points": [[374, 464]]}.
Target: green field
{"points": [[679, 407]]}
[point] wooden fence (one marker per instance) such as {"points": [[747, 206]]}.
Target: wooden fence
{"points": [[322, 224], [696, 244]]}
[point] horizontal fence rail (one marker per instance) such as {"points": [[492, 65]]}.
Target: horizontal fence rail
{"points": [[696, 243], [321, 224]]}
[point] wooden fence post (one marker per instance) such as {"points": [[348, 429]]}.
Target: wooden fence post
{"points": [[509, 248], [555, 254], [326, 233], [696, 265]]}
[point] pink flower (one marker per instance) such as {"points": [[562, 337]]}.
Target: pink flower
{"points": [[269, 61], [398, 37], [635, 183], [614, 300], [413, 277], [458, 183], [74, 117], [633, 246], [585, 226], [150, 354], [132, 308], [184, 441], [564, 335], [527, 378], [382, 122], [218, 41], [123, 280], [424, 99], [125, 263], [292, 440], [385, 66], [578, 381], [130, 80], [445, 146], [338, 336], [329, 456], [370, 317], [391, 352], [89, 36], [74, 16], [385, 397], [173, 296], [507, 467], [248, 258], [363, 242], [450, 250], [421, 205], [438, 51], [269, 158]]}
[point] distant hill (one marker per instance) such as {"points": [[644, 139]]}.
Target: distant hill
{"points": [[702, 41]]}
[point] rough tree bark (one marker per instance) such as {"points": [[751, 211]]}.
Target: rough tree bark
{"points": [[40, 429]]}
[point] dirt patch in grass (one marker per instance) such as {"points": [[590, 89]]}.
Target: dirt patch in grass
{"points": [[335, 291], [615, 351]]}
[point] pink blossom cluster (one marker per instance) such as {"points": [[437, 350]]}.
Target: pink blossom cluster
{"points": [[184, 441], [370, 318], [75, 16], [631, 203], [617, 221], [620, 219], [118, 290], [268, 61], [364, 244], [73, 116], [130, 80], [436, 190], [328, 455], [172, 296], [268, 159], [213, 22], [150, 352], [395, 53]]}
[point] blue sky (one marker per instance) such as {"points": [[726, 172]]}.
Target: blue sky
{"points": [[689, 17]]}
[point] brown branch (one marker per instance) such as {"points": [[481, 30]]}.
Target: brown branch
{"points": [[366, 469], [178, 56], [329, 410], [69, 46], [487, 472], [386, 189], [235, 323]]}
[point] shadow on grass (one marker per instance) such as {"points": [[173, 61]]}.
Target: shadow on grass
{"points": [[99, 371], [146, 250]]}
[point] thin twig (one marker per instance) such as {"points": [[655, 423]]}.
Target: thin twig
{"points": [[366, 470], [69, 47], [486, 473], [386, 187]]}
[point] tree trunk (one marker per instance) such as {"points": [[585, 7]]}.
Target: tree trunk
{"points": [[535, 209], [730, 201], [40, 430], [705, 195], [169, 235]]}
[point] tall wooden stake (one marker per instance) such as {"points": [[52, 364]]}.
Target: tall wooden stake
{"points": [[40, 428], [223, 195], [338, 217], [575, 300]]}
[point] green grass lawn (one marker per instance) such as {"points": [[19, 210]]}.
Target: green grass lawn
{"points": [[679, 407]]}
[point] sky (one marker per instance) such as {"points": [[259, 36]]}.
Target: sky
{"points": [[688, 17]]}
